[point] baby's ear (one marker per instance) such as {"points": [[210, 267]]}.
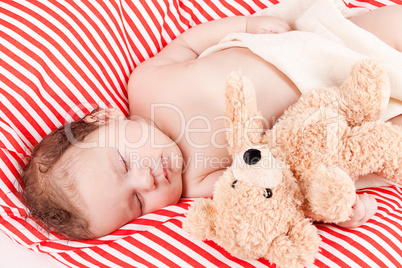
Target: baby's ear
{"points": [[101, 116], [200, 219]]}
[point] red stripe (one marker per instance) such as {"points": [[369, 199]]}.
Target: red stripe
{"points": [[165, 26], [155, 39], [173, 17], [131, 255], [83, 58], [188, 243], [157, 255], [354, 244], [388, 241], [100, 32], [143, 40], [260, 5], [329, 255], [109, 256], [20, 75], [246, 6], [46, 51], [16, 232], [66, 256], [216, 9], [17, 147], [190, 12], [26, 115], [372, 2], [10, 186], [232, 9], [172, 249], [47, 70]]}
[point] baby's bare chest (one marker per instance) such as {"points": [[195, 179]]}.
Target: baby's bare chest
{"points": [[189, 105]]}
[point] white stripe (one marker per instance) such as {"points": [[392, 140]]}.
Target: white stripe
{"points": [[138, 46], [79, 259], [48, 62], [189, 252], [62, 260], [95, 49], [384, 244], [138, 251], [57, 54], [122, 40], [362, 243], [212, 251], [27, 105], [119, 255], [256, 8], [24, 88], [27, 90], [164, 33], [335, 251], [387, 218], [89, 11], [124, 6], [197, 13], [227, 11], [168, 254], [3, 138], [169, 20], [324, 259], [11, 178]]}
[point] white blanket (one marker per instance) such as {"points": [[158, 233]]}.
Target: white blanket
{"points": [[322, 50]]}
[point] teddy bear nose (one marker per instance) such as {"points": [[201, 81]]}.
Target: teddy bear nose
{"points": [[252, 156]]}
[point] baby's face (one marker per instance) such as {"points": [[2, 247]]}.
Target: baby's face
{"points": [[130, 169]]}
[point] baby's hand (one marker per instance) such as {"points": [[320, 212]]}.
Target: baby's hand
{"points": [[266, 24], [363, 209]]}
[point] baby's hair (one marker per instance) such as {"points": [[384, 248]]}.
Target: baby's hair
{"points": [[48, 184]]}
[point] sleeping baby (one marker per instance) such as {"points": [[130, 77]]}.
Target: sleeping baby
{"points": [[90, 177]]}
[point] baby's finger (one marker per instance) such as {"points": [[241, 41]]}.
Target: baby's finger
{"points": [[281, 27]]}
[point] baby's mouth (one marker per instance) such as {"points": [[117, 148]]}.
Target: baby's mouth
{"points": [[165, 167]]}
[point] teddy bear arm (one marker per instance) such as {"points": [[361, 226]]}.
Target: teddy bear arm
{"points": [[200, 220], [374, 147], [330, 194], [298, 247]]}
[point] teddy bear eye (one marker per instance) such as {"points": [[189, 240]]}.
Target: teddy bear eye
{"points": [[234, 184], [267, 193]]}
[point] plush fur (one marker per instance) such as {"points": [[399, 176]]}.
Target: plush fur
{"points": [[302, 170]]}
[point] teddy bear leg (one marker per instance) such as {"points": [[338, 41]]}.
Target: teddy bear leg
{"points": [[330, 194], [365, 93], [361, 98], [298, 248], [374, 147]]}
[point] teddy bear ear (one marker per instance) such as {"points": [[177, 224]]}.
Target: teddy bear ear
{"points": [[200, 219], [244, 122]]}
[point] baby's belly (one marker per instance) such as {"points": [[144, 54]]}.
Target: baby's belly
{"points": [[275, 92]]}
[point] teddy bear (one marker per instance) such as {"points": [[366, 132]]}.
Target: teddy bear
{"points": [[302, 170]]}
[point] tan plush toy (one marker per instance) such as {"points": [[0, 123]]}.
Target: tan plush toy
{"points": [[301, 170]]}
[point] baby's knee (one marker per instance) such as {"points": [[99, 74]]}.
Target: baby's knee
{"points": [[384, 23]]}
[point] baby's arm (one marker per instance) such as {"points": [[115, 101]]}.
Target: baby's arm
{"points": [[194, 41], [363, 209], [202, 186]]}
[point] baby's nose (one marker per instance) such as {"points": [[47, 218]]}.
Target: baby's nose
{"points": [[143, 179]]}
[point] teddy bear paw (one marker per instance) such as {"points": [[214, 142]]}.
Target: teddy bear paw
{"points": [[331, 194]]}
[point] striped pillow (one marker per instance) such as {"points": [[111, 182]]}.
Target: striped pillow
{"points": [[60, 59]]}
